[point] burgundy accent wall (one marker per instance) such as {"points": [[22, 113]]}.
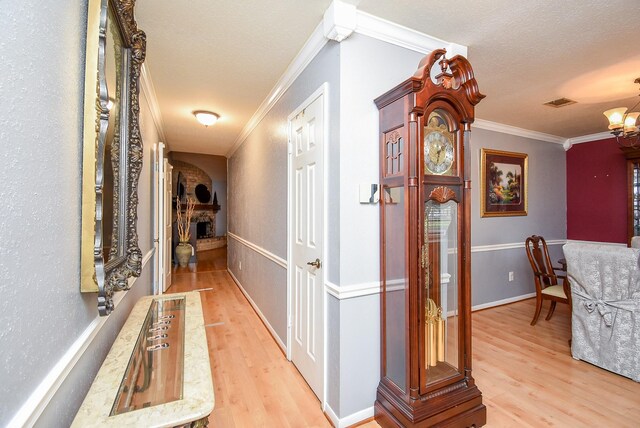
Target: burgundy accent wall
{"points": [[597, 192]]}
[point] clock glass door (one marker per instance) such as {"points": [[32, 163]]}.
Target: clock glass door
{"points": [[395, 286], [440, 281]]}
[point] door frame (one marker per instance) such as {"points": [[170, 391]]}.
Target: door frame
{"points": [[167, 174], [323, 91], [158, 206]]}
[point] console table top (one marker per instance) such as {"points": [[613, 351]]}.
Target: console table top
{"points": [[198, 396]]}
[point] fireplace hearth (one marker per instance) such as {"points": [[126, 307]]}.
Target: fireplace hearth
{"points": [[204, 229]]}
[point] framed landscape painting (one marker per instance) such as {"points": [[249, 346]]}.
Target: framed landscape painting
{"points": [[503, 183]]}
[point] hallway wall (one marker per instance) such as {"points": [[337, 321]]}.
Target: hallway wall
{"points": [[43, 314], [258, 192]]}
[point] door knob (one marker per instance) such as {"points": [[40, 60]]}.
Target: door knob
{"points": [[315, 263]]}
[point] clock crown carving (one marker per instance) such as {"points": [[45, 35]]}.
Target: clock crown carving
{"points": [[456, 76]]}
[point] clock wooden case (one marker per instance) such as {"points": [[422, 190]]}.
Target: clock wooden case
{"points": [[425, 253]]}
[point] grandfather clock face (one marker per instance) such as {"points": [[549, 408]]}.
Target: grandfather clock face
{"points": [[439, 146]]}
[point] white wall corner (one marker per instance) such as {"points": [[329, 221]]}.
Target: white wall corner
{"points": [[567, 144], [149, 90], [454, 49], [339, 20]]}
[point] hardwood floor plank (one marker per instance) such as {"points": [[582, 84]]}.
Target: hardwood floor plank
{"points": [[526, 373]]}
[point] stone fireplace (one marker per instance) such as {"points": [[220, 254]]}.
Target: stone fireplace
{"points": [[187, 178], [205, 220], [205, 224]]}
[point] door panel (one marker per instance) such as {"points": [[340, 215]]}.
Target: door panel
{"points": [[307, 345]]}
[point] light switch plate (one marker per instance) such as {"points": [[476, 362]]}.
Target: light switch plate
{"points": [[369, 194]]}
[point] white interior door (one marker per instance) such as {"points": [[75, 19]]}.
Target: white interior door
{"points": [[306, 270], [168, 177]]}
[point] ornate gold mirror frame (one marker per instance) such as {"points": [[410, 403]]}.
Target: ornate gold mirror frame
{"points": [[112, 150]]}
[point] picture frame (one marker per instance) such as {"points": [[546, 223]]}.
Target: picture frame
{"points": [[504, 183]]}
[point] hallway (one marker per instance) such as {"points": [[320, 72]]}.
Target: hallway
{"points": [[255, 385]]}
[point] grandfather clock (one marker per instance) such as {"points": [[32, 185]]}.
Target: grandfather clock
{"points": [[425, 253]]}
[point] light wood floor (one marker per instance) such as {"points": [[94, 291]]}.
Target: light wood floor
{"points": [[526, 374], [255, 385]]}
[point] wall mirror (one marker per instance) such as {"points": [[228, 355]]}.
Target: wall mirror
{"points": [[112, 150]]}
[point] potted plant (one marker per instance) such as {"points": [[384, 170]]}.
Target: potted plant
{"points": [[183, 221]]}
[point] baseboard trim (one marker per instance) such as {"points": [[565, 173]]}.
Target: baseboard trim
{"points": [[502, 302], [349, 420], [331, 415], [258, 249], [31, 410], [259, 313]]}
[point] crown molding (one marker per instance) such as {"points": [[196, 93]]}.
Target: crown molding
{"points": [[567, 143], [152, 100], [339, 22], [311, 48], [398, 35], [520, 132], [587, 139]]}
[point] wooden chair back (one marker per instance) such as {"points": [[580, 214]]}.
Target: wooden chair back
{"points": [[538, 255]]}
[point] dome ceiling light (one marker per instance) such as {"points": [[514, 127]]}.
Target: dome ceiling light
{"points": [[206, 117]]}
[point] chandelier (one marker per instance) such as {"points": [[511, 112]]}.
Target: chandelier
{"points": [[624, 125]]}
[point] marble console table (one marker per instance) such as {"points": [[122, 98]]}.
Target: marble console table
{"points": [[188, 406]]}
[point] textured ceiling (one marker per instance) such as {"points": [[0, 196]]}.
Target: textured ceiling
{"points": [[226, 56]]}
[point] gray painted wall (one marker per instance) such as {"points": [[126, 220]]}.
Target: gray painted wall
{"points": [[547, 216], [366, 73], [41, 117], [257, 189]]}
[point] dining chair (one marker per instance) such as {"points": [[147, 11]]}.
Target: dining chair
{"points": [[545, 278]]}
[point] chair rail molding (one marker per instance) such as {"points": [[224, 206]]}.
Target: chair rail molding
{"points": [[33, 407], [349, 291], [614, 244], [258, 249], [510, 246]]}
